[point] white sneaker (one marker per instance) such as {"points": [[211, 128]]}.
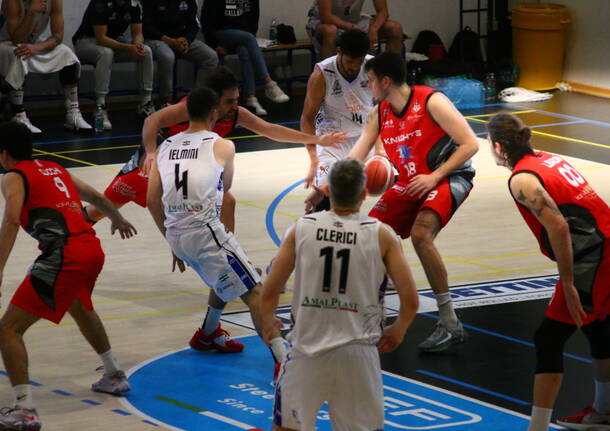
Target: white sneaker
{"points": [[146, 109], [252, 102], [75, 120], [114, 384], [107, 123], [23, 119], [275, 93]]}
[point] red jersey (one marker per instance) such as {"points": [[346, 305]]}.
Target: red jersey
{"points": [[52, 210], [223, 126], [586, 213], [413, 141]]}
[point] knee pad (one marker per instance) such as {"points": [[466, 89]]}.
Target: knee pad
{"points": [[598, 334], [550, 339], [69, 75]]}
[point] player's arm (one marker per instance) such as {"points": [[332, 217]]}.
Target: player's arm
{"points": [[282, 267], [527, 190], [224, 152], [316, 89], [101, 202], [285, 134], [173, 114], [20, 29], [154, 193], [398, 270], [369, 136], [327, 16], [57, 28], [13, 191], [380, 18], [137, 36]]}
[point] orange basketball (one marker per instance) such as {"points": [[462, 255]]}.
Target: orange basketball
{"points": [[379, 175]]}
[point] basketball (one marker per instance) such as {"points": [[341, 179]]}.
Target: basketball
{"points": [[379, 175]]}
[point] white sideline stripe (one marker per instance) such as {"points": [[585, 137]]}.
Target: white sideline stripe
{"points": [[227, 420]]}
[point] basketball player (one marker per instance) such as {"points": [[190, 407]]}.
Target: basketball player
{"points": [[130, 184], [340, 258], [45, 200], [192, 170], [572, 224], [338, 100], [430, 144]]}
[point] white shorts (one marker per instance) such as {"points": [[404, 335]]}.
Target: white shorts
{"points": [[326, 160], [348, 378], [217, 257]]}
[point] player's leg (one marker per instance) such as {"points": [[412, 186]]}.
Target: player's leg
{"points": [[392, 32], [13, 325], [114, 380], [327, 36], [549, 339], [227, 211]]}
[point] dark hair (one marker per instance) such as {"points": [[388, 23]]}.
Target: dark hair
{"points": [[16, 139], [346, 180], [513, 136], [201, 102], [220, 79], [390, 64], [354, 43]]}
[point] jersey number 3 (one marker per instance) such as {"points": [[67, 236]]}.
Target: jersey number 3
{"points": [[327, 253]]}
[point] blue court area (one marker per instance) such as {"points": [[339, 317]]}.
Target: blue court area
{"points": [[189, 390]]}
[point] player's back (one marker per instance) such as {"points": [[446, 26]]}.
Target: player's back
{"points": [[52, 210], [339, 275], [191, 179]]}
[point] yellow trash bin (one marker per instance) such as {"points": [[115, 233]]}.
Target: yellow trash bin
{"points": [[539, 43]]}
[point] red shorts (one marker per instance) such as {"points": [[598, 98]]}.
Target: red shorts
{"points": [[61, 276], [399, 210], [558, 309], [129, 187]]}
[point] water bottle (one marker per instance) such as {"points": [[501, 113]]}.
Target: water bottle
{"points": [[490, 87], [273, 30], [98, 119]]}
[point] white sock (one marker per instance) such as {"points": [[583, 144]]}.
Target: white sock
{"points": [[23, 396], [602, 397], [446, 311], [541, 418], [145, 98], [71, 94], [111, 364], [212, 318], [278, 349], [16, 96]]}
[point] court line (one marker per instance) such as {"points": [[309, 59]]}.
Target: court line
{"points": [[271, 210], [46, 153], [470, 386], [559, 115], [508, 338]]}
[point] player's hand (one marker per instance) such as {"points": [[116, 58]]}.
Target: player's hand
{"points": [[26, 50], [222, 51], [374, 40], [270, 327], [574, 305], [421, 184], [125, 228], [332, 139], [177, 262], [183, 45], [38, 6], [315, 197], [391, 338], [148, 162], [136, 52]]}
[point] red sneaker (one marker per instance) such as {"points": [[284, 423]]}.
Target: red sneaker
{"points": [[219, 340], [588, 419]]}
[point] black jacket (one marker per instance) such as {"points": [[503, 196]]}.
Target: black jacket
{"points": [[228, 14], [172, 18]]}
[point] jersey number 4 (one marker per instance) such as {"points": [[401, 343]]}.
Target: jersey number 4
{"points": [[181, 181], [327, 253]]}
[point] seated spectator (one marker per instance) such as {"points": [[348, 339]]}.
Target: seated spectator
{"points": [[329, 18], [231, 26], [170, 30], [23, 49], [100, 41]]}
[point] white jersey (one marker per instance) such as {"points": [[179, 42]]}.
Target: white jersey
{"points": [[41, 22], [191, 179], [346, 106], [339, 273]]}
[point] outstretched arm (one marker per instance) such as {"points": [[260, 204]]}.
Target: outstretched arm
{"points": [[165, 117], [316, 88]]}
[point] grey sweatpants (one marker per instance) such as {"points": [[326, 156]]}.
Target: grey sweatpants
{"points": [[102, 58], [201, 55]]}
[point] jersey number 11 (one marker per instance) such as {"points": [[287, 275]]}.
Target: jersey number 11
{"points": [[343, 254]]}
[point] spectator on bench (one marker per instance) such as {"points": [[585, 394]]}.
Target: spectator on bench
{"points": [[329, 18], [100, 41], [170, 30], [24, 49], [231, 27]]}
